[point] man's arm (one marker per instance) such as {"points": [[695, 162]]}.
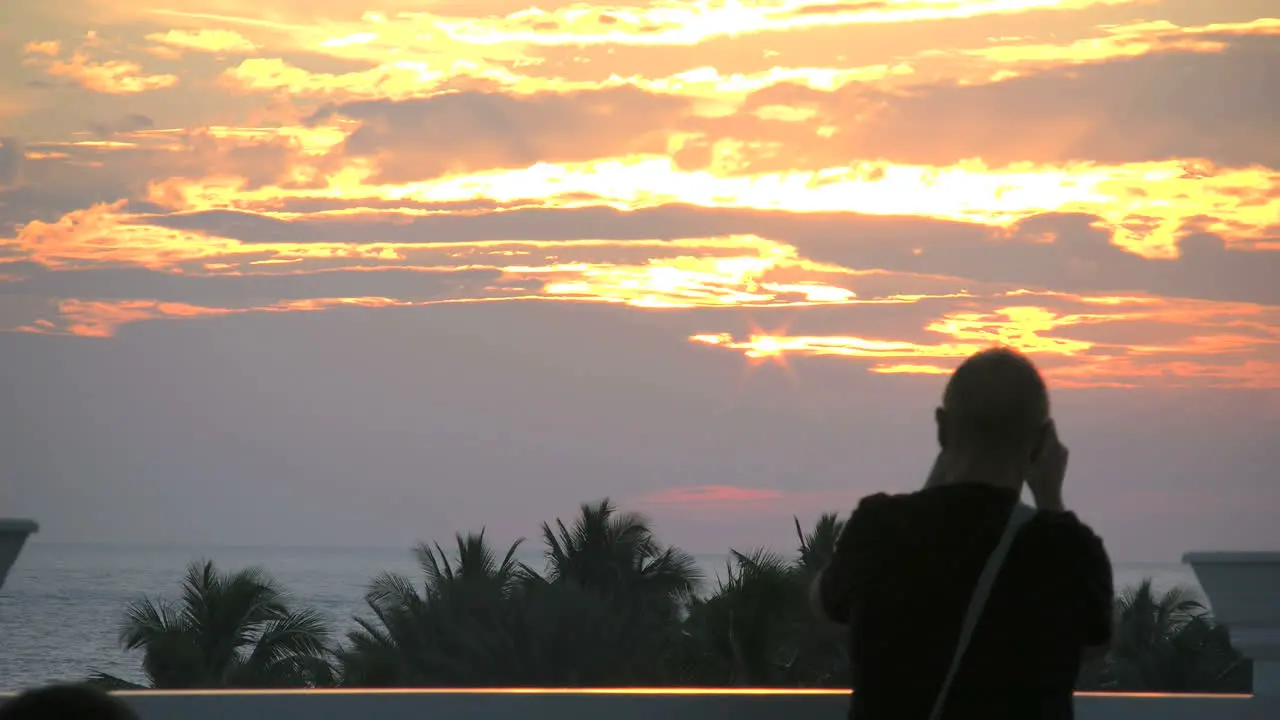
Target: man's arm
{"points": [[1097, 596], [832, 591], [1087, 577], [1085, 557]]}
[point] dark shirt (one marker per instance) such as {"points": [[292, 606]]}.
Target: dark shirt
{"points": [[902, 575]]}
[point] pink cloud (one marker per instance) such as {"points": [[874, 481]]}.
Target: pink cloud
{"points": [[712, 495]]}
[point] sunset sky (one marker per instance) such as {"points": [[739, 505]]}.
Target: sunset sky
{"points": [[318, 272]]}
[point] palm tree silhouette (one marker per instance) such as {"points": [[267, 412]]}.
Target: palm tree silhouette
{"points": [[229, 630]]}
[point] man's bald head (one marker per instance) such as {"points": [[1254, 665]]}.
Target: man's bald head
{"points": [[995, 406]]}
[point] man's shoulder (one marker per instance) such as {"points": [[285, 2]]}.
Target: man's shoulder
{"points": [[1072, 543], [878, 506], [881, 500], [884, 505], [1065, 527]]}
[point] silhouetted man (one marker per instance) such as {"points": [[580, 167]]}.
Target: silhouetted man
{"points": [[905, 567], [66, 702]]}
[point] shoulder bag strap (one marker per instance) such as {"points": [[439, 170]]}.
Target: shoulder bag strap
{"points": [[1019, 517]]}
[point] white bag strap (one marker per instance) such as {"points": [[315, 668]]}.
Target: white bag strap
{"points": [[1019, 517]]}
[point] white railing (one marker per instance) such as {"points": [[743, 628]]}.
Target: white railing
{"points": [[630, 705]]}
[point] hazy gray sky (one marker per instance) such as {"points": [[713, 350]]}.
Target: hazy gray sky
{"points": [[318, 277]]}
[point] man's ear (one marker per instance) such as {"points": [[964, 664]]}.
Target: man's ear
{"points": [[940, 416]]}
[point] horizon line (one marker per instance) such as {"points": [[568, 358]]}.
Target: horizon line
{"points": [[407, 549]]}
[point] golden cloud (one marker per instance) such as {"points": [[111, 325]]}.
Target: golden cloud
{"points": [[205, 40], [47, 48], [113, 77]]}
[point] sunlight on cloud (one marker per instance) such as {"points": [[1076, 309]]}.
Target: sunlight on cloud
{"points": [[403, 79], [695, 282], [1224, 332], [657, 23], [1120, 41], [1147, 205], [667, 22], [412, 60]]}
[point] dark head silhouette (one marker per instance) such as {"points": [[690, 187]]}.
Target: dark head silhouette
{"points": [[993, 418], [66, 702]]}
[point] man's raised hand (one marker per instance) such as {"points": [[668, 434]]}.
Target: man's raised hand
{"points": [[1049, 471]]}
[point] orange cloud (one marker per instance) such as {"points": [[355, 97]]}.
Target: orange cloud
{"points": [[1081, 340], [712, 272], [104, 234], [102, 319], [527, 114], [1126, 372]]}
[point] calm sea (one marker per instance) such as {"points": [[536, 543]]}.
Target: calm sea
{"points": [[61, 605]]}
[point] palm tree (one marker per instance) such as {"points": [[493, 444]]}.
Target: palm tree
{"points": [[615, 607], [822, 656], [475, 573], [564, 634], [438, 636], [483, 621], [1167, 642], [757, 629], [229, 630], [818, 546], [744, 633], [617, 555]]}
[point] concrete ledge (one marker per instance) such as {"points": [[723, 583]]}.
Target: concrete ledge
{"points": [[669, 704], [13, 534], [21, 525], [1230, 557]]}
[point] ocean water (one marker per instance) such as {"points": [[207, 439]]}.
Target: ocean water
{"points": [[62, 603]]}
